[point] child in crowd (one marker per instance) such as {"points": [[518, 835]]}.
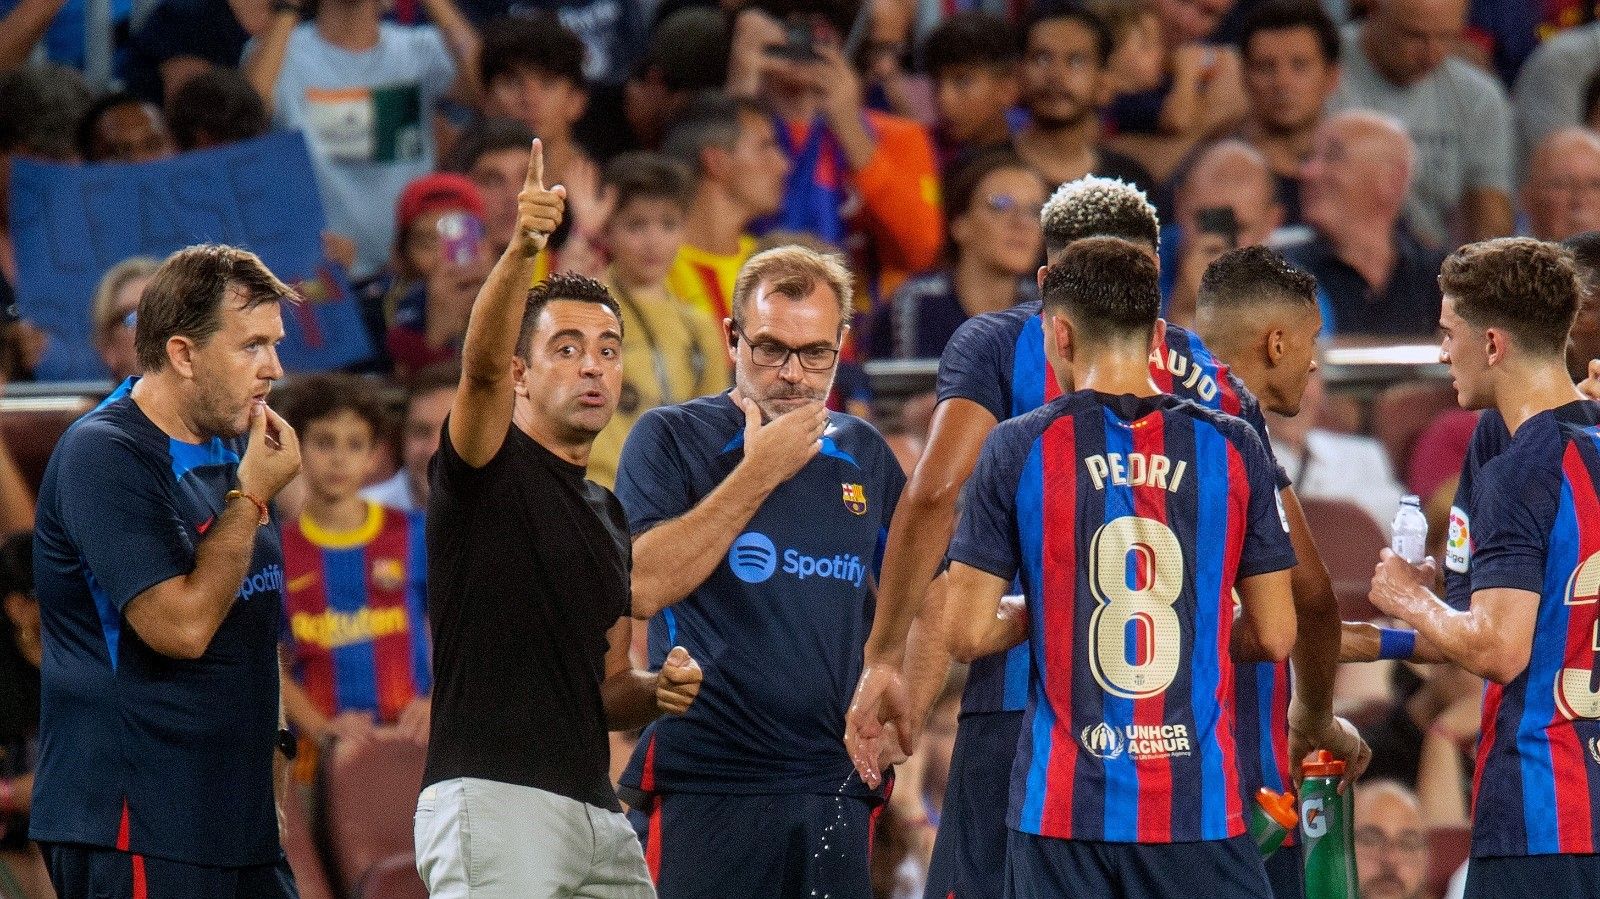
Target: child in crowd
{"points": [[354, 579], [971, 58], [674, 350]]}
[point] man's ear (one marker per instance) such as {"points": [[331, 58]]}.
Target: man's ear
{"points": [[1495, 344], [519, 367], [180, 355], [1274, 346]]}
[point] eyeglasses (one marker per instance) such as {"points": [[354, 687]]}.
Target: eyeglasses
{"points": [[771, 354], [1373, 840], [1005, 204]]}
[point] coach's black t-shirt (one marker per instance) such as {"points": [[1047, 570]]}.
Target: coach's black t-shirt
{"points": [[527, 571]]}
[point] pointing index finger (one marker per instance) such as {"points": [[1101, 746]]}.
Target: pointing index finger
{"points": [[536, 165]]}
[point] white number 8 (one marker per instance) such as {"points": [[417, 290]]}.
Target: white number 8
{"points": [[1141, 612]]}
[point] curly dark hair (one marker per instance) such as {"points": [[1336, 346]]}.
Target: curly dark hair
{"points": [[537, 41], [316, 397], [563, 286], [1107, 286], [1523, 286], [970, 39], [1251, 276]]}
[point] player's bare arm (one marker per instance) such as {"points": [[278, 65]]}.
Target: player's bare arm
{"points": [[1265, 629], [1492, 639], [481, 414], [979, 623]]}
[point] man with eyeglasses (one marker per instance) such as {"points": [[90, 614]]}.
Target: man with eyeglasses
{"points": [[1391, 843], [758, 519]]}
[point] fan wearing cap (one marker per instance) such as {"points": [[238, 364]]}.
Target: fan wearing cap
{"points": [[440, 261]]}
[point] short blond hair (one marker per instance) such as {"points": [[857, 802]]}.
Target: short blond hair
{"points": [[792, 270], [111, 284]]}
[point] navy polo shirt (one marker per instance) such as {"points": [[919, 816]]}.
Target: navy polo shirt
{"points": [[1408, 306]]}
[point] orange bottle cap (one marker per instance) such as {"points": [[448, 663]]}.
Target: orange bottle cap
{"points": [[1279, 807], [1323, 764]]}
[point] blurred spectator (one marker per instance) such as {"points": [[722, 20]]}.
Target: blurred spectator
{"points": [[1391, 843], [1171, 95], [674, 351], [112, 313], [972, 58], [427, 403], [1549, 92], [731, 147], [181, 39], [16, 499], [21, 27], [40, 108], [362, 90], [20, 655], [354, 580], [1194, 21], [1501, 34], [1064, 82], [858, 178], [434, 278], [1329, 465], [687, 54], [1291, 68], [1583, 341], [123, 128], [1398, 62], [1227, 200], [992, 204], [215, 109], [1562, 190], [1439, 452], [532, 69], [613, 32], [494, 154], [1373, 275]]}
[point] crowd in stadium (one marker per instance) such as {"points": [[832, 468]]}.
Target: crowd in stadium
{"points": [[1364, 140]]}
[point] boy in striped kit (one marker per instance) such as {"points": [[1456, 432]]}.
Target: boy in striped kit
{"points": [[1532, 627], [1156, 510], [355, 579]]}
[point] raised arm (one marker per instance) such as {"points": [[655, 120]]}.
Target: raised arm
{"points": [[481, 413], [22, 28], [463, 43], [673, 558], [179, 616], [264, 63]]}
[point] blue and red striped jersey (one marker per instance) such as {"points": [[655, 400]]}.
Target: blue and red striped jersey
{"points": [[1536, 517], [997, 361], [356, 606], [1155, 507]]}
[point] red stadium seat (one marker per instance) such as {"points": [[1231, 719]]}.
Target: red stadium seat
{"points": [[1448, 847], [393, 878], [368, 804], [309, 873], [1401, 413], [31, 431], [1348, 540]]}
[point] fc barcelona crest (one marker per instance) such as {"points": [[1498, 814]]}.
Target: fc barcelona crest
{"points": [[388, 574], [855, 498]]}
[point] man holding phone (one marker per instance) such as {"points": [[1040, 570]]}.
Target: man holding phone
{"points": [[1226, 201]]}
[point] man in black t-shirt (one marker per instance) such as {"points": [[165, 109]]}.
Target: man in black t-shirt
{"points": [[528, 586]]}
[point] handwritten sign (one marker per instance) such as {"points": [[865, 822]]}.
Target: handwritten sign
{"points": [[69, 224]]}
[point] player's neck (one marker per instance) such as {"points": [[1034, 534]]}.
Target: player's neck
{"points": [[336, 514], [1115, 370], [1527, 389]]}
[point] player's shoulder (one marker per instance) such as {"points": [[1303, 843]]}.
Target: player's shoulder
{"points": [[113, 429], [1534, 457], [853, 434], [1234, 429], [1000, 327]]}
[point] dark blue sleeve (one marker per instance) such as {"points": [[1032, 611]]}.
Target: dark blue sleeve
{"points": [[1489, 439], [652, 482], [986, 536], [1250, 411], [1515, 501], [1266, 534], [117, 506], [975, 365]]}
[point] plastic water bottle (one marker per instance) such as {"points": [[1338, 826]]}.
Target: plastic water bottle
{"points": [[1327, 832], [1271, 820], [1409, 536]]}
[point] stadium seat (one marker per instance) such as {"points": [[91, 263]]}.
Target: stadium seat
{"points": [[309, 873], [368, 803], [1348, 540], [393, 878], [1402, 412], [31, 431], [1448, 847]]}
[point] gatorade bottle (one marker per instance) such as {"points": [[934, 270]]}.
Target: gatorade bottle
{"points": [[1409, 536], [1272, 819], [1326, 831]]}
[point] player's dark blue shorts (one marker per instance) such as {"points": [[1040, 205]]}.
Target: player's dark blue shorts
{"points": [[969, 852], [1286, 872], [90, 872], [1049, 868], [1534, 876], [715, 846]]}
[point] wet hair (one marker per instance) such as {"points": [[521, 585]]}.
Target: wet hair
{"points": [[1108, 287], [1099, 207], [562, 286], [185, 295], [1525, 287]]}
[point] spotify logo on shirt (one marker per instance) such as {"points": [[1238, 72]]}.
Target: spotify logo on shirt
{"points": [[754, 559]]}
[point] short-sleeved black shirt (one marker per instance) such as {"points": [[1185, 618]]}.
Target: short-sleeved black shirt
{"points": [[527, 570]]}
